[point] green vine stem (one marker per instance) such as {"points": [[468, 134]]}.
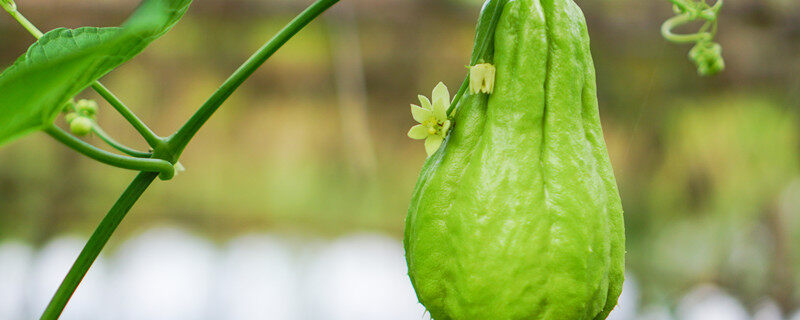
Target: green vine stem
{"points": [[164, 168], [451, 112], [484, 44], [97, 130], [152, 139], [170, 150], [181, 138], [96, 243]]}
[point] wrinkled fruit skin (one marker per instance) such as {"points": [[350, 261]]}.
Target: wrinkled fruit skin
{"points": [[518, 215]]}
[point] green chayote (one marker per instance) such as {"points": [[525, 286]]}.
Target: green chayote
{"points": [[517, 215]]}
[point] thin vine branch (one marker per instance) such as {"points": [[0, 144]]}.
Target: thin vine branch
{"points": [[181, 138], [152, 139], [164, 168], [97, 130], [11, 8]]}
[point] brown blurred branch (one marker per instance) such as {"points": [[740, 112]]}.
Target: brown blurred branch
{"points": [[351, 89], [782, 267]]}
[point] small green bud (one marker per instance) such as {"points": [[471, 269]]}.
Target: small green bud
{"points": [[86, 107], [70, 116], [707, 56], [81, 126]]}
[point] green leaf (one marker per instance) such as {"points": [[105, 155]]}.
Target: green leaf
{"points": [[65, 61]]}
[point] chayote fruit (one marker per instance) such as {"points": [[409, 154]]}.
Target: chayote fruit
{"points": [[517, 215]]}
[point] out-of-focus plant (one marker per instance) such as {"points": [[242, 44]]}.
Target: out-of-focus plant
{"points": [[714, 202]]}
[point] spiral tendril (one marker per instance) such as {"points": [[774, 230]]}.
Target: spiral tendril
{"points": [[706, 54]]}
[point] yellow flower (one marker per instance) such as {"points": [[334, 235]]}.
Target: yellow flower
{"points": [[481, 78], [432, 117]]}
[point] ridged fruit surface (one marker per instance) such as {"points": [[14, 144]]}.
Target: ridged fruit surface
{"points": [[518, 216]]}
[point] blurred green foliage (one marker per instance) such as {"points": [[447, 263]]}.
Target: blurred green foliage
{"points": [[709, 168], [715, 195]]}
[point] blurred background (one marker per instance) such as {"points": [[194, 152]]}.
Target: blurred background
{"points": [[293, 201]]}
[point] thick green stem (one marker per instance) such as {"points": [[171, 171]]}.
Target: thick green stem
{"points": [[484, 37], [152, 139], [166, 170], [181, 138], [484, 44], [96, 243], [116, 145]]}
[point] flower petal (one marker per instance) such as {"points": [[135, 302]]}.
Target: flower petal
{"points": [[432, 144], [441, 101], [491, 73], [476, 75], [440, 112], [418, 132], [420, 115], [425, 103]]}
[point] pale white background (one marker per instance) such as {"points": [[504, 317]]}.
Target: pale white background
{"points": [[170, 274]]}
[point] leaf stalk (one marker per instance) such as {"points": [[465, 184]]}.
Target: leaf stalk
{"points": [[164, 168], [152, 139], [97, 130], [11, 7]]}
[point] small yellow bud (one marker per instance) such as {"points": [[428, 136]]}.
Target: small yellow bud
{"points": [[481, 78], [446, 127]]}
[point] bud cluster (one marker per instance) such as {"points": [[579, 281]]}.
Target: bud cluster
{"points": [[81, 120]]}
